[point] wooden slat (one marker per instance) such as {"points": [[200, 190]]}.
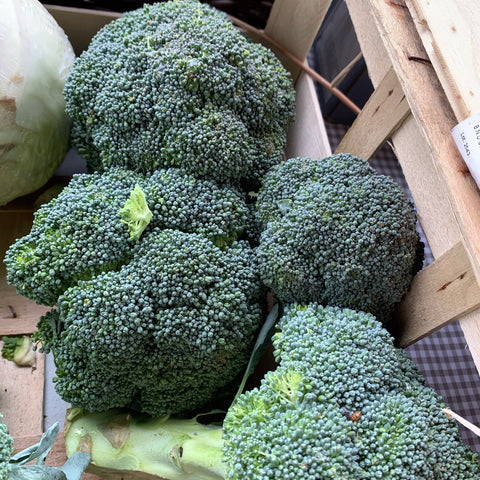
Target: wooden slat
{"points": [[80, 24], [383, 113], [307, 137], [18, 315], [434, 117], [294, 25], [451, 36], [21, 396], [427, 185], [442, 292], [418, 166]]}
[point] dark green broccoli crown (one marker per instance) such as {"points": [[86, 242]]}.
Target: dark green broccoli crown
{"points": [[87, 229], [348, 356], [280, 431], [337, 233], [6, 449], [176, 84], [163, 333], [334, 409]]}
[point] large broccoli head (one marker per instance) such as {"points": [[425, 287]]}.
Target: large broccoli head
{"points": [[176, 84], [337, 406], [337, 233], [95, 222], [157, 292], [163, 333]]}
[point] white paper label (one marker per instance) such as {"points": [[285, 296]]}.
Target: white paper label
{"points": [[467, 137]]}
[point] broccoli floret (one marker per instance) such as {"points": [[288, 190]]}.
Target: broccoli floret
{"points": [[337, 233], [6, 449], [395, 430], [349, 356], [163, 333], [92, 226], [176, 84], [282, 431]]}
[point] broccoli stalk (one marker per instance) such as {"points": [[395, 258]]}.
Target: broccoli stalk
{"points": [[18, 349], [135, 213], [134, 445]]}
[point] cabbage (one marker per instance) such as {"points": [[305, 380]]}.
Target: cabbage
{"points": [[35, 58]]}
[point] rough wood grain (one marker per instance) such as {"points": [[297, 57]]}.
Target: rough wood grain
{"points": [[383, 113], [434, 117], [442, 292], [451, 37], [18, 315], [428, 187], [21, 396]]}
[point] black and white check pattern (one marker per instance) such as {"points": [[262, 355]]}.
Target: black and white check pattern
{"points": [[443, 357]]}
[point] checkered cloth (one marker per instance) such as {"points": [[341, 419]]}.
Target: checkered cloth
{"points": [[443, 357]]}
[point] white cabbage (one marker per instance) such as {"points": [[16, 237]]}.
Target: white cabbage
{"points": [[35, 57]]}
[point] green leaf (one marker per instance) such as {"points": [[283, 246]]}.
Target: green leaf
{"points": [[38, 451], [35, 472], [72, 470], [263, 341], [76, 465]]}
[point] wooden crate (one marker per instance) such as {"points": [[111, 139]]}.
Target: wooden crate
{"points": [[409, 106]]}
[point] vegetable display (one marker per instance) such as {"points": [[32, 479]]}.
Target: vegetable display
{"points": [[159, 264], [34, 128]]}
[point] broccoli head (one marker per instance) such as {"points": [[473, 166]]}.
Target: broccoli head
{"points": [[163, 333], [337, 233], [339, 410], [93, 225], [176, 84]]}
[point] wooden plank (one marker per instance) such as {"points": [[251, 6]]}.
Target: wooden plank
{"points": [[80, 25], [418, 166], [307, 136], [21, 398], [436, 215], [18, 315], [13, 224], [434, 117], [451, 37], [442, 292], [369, 39], [295, 25], [383, 113]]}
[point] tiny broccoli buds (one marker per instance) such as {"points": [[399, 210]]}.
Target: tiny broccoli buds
{"points": [[135, 213]]}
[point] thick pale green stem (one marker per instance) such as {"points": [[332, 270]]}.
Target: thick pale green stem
{"points": [[137, 447]]}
